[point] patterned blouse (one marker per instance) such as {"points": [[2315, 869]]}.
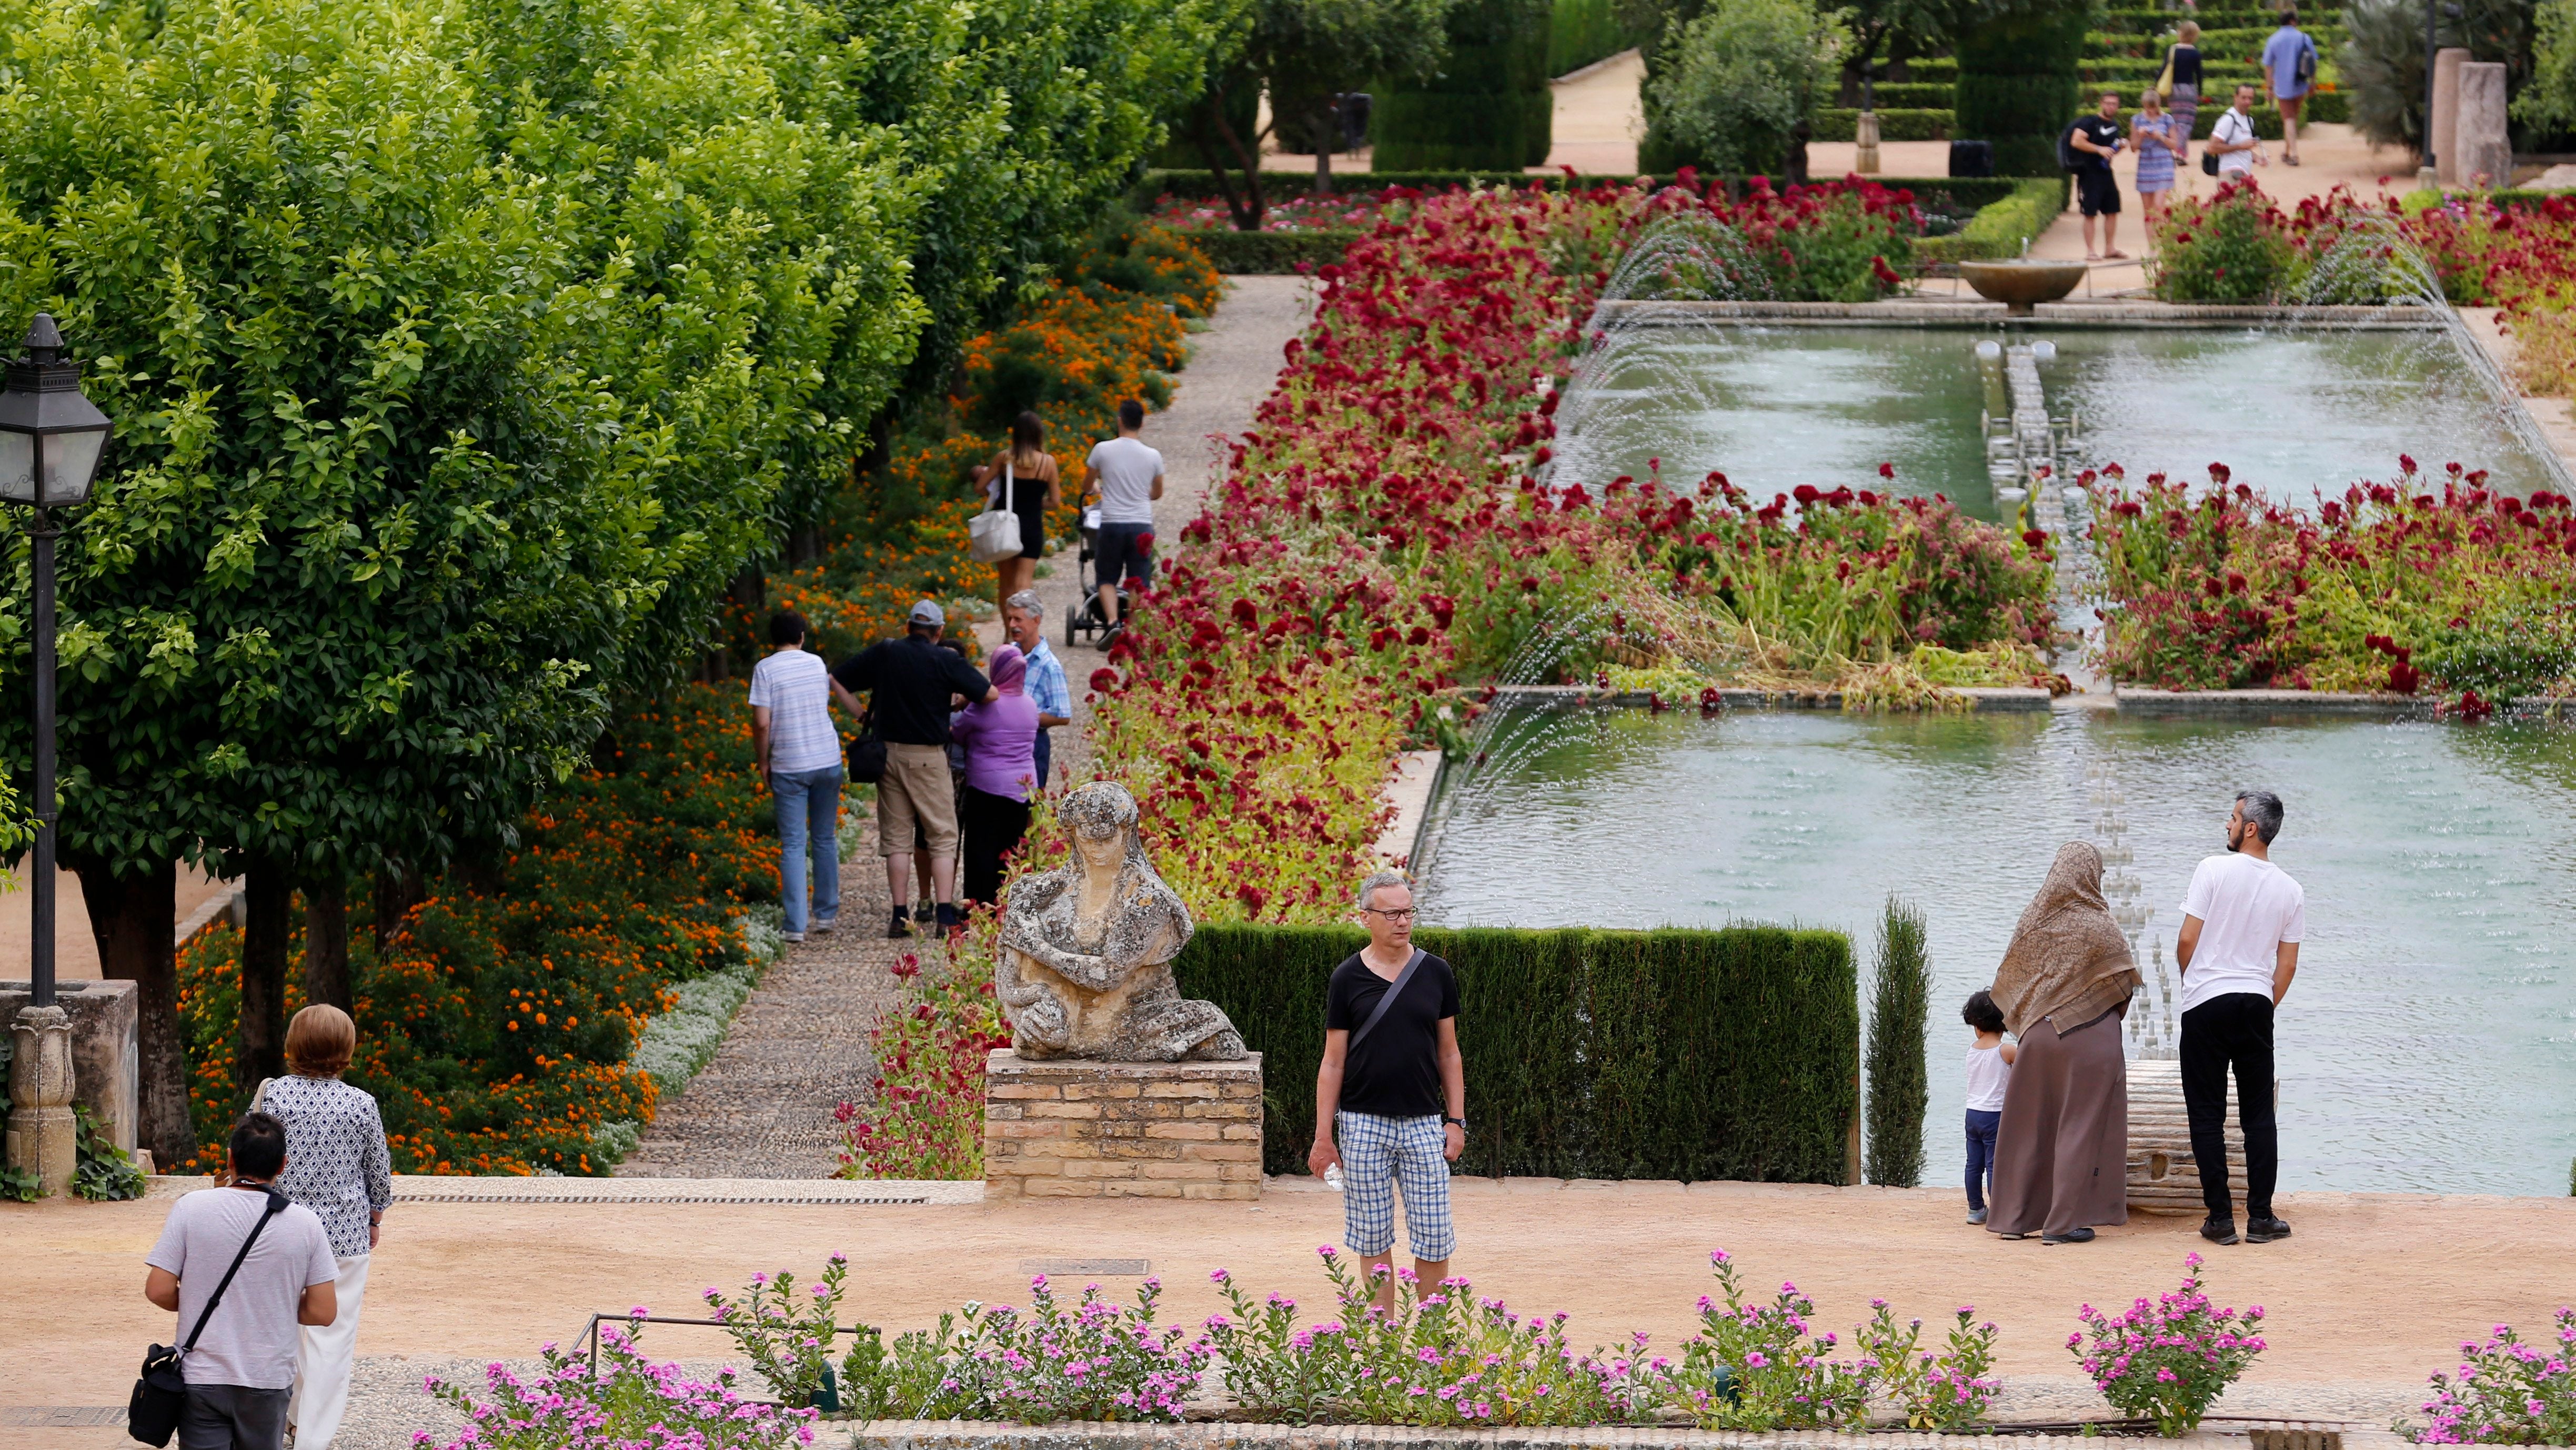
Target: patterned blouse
{"points": [[336, 1161]]}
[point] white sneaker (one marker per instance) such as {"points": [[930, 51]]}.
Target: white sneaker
{"points": [[793, 936], [822, 928]]}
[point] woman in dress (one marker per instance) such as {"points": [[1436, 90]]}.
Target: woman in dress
{"points": [[2183, 61], [1021, 479], [1000, 739], [336, 1165], [2151, 135], [2062, 1149]]}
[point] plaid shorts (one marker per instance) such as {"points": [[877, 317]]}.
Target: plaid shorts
{"points": [[1377, 1154]]}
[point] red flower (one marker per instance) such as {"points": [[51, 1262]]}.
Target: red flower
{"points": [[2036, 538], [1104, 680], [1887, 470], [1252, 897]]}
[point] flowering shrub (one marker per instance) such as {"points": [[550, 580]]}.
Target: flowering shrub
{"points": [[787, 1336], [1093, 1360], [2169, 1360], [2507, 1393], [2463, 593], [2228, 248], [1948, 1391], [631, 1404], [927, 1118], [1829, 242]]}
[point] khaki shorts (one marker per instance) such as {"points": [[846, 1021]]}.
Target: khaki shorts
{"points": [[916, 787], [2292, 108]]}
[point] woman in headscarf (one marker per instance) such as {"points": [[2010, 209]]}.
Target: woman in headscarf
{"points": [[2062, 1149], [1000, 738]]}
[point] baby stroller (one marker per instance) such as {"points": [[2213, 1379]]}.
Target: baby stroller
{"points": [[1082, 618]]}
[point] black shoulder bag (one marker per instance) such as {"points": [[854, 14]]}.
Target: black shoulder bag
{"points": [[1388, 1000], [161, 1391], [867, 751]]}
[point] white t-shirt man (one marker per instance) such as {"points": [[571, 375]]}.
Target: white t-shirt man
{"points": [[796, 686], [252, 1339], [1126, 470], [2247, 908], [2232, 127]]}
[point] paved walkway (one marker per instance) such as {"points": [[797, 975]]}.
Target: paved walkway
{"points": [[799, 1047]]}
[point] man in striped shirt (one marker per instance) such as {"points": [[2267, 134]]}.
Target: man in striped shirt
{"points": [[800, 762], [1025, 618]]}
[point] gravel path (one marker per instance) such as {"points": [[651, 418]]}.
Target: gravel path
{"points": [[799, 1047]]}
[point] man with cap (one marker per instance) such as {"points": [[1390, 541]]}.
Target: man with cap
{"points": [[913, 682]]}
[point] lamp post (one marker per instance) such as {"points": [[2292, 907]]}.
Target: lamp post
{"points": [[50, 440]]}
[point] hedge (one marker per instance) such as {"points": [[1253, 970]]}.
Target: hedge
{"points": [[1581, 32], [1911, 95], [1672, 1054], [1974, 191], [1999, 230], [1270, 254], [1489, 103], [1839, 124], [2157, 22], [2017, 85], [2330, 107]]}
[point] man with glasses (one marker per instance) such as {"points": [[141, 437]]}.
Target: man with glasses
{"points": [[1391, 1097]]}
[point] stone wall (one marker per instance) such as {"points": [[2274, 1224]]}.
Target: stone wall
{"points": [[106, 1057], [1079, 1129]]}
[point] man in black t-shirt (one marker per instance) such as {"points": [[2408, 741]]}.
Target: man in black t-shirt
{"points": [[2095, 139], [1391, 1097], [914, 680]]}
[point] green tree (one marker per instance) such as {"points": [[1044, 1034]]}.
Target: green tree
{"points": [[1738, 78], [2017, 83], [1899, 1016], [1881, 27], [1485, 108]]}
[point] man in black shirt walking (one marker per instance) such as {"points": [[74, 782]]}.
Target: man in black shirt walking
{"points": [[2093, 140], [915, 680], [1391, 1098]]}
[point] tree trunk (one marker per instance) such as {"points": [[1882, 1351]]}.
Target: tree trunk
{"points": [[259, 1038], [133, 917], [326, 941], [397, 892]]}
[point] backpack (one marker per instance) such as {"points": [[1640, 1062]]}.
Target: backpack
{"points": [[2068, 158], [2305, 67]]}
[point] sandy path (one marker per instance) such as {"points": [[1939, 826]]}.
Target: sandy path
{"points": [[2371, 1296]]}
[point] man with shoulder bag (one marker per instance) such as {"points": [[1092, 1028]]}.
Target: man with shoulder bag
{"points": [[243, 1269], [2234, 149], [1391, 1096]]}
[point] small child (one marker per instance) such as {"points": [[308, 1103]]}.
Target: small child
{"points": [[1989, 1068]]}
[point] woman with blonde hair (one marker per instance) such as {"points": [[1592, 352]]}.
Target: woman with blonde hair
{"points": [[1022, 480], [2181, 87], [337, 1165], [2062, 1147]]}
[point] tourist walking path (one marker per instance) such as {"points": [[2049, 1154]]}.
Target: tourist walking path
{"points": [[799, 1047]]}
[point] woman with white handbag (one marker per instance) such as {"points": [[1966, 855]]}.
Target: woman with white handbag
{"points": [[1020, 486]]}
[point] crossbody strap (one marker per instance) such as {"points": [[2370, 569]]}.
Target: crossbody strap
{"points": [[276, 1205], [1388, 1000]]}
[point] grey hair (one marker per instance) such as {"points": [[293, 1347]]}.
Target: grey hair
{"points": [[1379, 879], [1026, 601], [2262, 811]]}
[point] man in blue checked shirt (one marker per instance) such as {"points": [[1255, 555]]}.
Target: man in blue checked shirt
{"points": [[1025, 620]]}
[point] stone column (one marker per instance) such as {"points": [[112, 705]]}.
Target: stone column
{"points": [[40, 1096], [2443, 125], [1865, 131], [2484, 148]]}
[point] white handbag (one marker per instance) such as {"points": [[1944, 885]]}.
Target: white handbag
{"points": [[994, 535]]}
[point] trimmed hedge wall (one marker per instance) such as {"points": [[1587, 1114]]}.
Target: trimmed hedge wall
{"points": [[1261, 254], [1836, 123], [1998, 230], [1488, 106], [1583, 31], [1692, 1055], [1973, 191], [1913, 95], [2017, 84]]}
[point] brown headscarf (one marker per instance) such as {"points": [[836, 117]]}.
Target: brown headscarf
{"points": [[2068, 959]]}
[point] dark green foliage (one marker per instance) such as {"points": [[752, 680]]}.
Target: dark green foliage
{"points": [[1242, 254], [1582, 32], [1914, 95], [1970, 191], [2382, 65], [2017, 83], [105, 1172], [1488, 103], [2001, 226], [1837, 123], [1666, 1054], [1899, 1017]]}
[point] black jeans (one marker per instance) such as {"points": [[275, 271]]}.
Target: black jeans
{"points": [[2233, 1031], [233, 1417], [993, 825]]}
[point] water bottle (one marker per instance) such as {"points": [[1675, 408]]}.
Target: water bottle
{"points": [[1333, 1177]]}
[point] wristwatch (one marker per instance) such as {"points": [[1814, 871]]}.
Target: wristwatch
{"points": [[1445, 1120]]}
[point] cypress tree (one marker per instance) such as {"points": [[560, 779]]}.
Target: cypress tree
{"points": [[1900, 1007], [2018, 83]]}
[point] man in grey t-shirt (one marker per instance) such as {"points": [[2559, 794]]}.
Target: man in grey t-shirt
{"points": [[242, 1369], [1129, 477]]}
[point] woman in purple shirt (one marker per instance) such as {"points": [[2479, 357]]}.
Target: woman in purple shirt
{"points": [[1000, 737]]}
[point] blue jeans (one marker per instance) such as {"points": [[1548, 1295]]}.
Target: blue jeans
{"points": [[1981, 1155], [809, 813], [1045, 759]]}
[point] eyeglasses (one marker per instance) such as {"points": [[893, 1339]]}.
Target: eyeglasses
{"points": [[1400, 914]]}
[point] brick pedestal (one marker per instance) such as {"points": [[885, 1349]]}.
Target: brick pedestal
{"points": [[1075, 1129]]}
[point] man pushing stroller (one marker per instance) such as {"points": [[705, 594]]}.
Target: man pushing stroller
{"points": [[1128, 477]]}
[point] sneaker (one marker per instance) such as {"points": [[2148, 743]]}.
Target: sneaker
{"points": [[793, 936], [900, 927], [1976, 1215], [2071, 1236], [822, 927], [2265, 1230], [2219, 1230]]}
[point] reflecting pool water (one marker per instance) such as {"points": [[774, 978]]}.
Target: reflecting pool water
{"points": [[2430, 1040], [2287, 411]]}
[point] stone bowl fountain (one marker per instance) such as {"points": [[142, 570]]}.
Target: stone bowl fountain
{"points": [[2020, 284]]}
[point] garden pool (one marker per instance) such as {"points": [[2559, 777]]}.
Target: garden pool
{"points": [[2430, 1040], [2288, 409]]}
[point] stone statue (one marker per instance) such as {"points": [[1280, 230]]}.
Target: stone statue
{"points": [[1086, 962]]}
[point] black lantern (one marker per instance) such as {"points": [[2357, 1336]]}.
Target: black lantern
{"points": [[50, 441]]}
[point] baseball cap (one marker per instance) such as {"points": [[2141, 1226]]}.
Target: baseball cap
{"points": [[927, 612]]}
